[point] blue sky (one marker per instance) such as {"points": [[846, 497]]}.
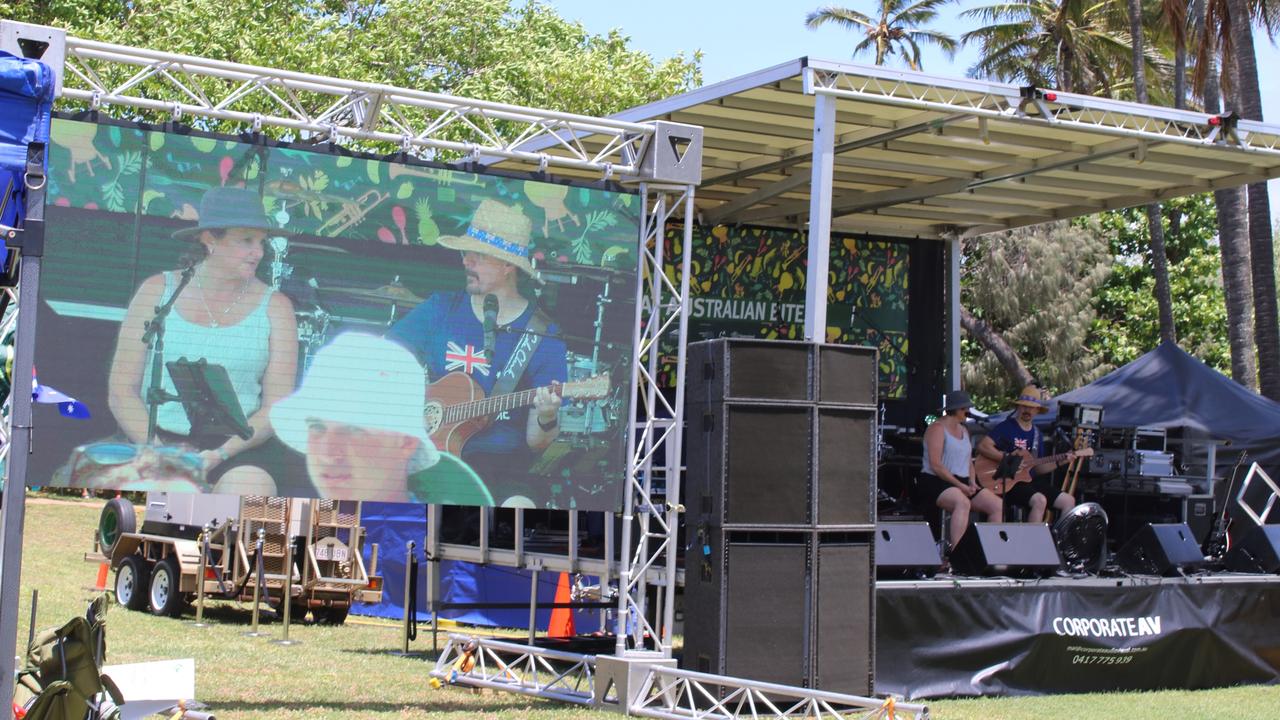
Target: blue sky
{"points": [[739, 37]]}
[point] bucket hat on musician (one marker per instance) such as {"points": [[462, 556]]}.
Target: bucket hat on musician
{"points": [[499, 231], [222, 208], [1033, 397], [360, 380], [956, 400]]}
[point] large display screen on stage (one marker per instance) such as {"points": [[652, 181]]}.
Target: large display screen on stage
{"points": [[252, 318]]}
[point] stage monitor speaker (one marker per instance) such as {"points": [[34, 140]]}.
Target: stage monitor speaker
{"points": [[1161, 549], [906, 550], [794, 608], [1258, 552], [1016, 549]]}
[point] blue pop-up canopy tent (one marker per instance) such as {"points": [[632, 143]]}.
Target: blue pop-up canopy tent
{"points": [[1168, 388]]}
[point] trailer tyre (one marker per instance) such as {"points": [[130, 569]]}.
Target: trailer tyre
{"points": [[132, 579], [165, 598], [117, 518], [331, 615]]}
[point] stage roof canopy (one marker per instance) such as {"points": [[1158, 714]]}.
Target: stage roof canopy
{"points": [[918, 155]]}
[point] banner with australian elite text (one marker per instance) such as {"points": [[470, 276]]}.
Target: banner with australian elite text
{"points": [[255, 318], [750, 282]]}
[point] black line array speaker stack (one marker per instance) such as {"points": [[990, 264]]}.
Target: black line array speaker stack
{"points": [[780, 494]]}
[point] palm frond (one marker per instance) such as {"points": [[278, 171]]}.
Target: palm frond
{"points": [[844, 17]]}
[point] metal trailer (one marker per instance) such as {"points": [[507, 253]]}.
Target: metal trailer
{"points": [[236, 543]]}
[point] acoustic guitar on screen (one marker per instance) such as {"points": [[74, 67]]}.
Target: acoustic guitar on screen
{"points": [[457, 408], [984, 469]]}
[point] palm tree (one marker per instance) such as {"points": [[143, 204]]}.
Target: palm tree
{"points": [[894, 33], [1068, 44], [1155, 224], [1265, 319], [1233, 240]]}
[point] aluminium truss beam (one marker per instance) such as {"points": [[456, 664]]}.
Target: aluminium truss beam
{"points": [[651, 510], [661, 691], [334, 109], [1003, 102]]}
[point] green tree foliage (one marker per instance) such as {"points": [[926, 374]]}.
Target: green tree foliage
{"points": [[499, 50], [1126, 325], [1035, 287], [1073, 45]]}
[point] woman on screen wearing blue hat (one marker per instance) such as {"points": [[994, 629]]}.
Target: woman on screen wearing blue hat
{"points": [[228, 317]]}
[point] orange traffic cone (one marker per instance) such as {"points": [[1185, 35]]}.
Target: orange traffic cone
{"points": [[561, 624], [102, 576]]}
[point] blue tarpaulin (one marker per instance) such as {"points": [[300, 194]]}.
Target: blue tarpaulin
{"points": [[392, 525], [26, 99]]}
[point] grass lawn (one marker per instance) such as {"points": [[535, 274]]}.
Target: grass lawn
{"points": [[351, 671]]}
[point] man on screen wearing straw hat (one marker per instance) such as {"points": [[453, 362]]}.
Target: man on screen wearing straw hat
{"points": [[495, 334], [1018, 434], [358, 420]]}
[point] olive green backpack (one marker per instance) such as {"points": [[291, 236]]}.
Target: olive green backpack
{"points": [[64, 670]]}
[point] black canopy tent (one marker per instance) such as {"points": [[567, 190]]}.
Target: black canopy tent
{"points": [[1168, 388]]}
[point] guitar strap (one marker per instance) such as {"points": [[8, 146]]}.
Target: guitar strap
{"points": [[522, 354]]}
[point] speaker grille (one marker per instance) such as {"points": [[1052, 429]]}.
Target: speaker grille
{"points": [[767, 478], [845, 634], [845, 440], [765, 613], [768, 371], [847, 374]]}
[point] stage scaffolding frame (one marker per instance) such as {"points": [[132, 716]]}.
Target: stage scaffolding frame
{"points": [[657, 155]]}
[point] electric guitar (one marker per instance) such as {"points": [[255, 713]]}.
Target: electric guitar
{"points": [[456, 408], [984, 469]]}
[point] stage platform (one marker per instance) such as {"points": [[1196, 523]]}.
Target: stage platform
{"points": [[959, 637]]}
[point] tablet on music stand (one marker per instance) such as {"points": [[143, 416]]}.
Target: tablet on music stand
{"points": [[1008, 467], [210, 401]]}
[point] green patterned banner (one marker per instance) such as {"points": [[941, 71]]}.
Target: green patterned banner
{"points": [[750, 282]]}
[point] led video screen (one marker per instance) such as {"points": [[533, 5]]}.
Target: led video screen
{"points": [[256, 318]]}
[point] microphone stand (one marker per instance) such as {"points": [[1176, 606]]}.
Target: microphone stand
{"points": [[153, 338]]}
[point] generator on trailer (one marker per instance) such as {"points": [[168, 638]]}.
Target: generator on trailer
{"points": [[158, 566]]}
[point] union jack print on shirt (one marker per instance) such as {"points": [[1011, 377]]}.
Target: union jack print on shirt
{"points": [[470, 360]]}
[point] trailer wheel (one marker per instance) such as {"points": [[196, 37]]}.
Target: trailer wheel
{"points": [[131, 582], [297, 611], [331, 615], [165, 598], [117, 518]]}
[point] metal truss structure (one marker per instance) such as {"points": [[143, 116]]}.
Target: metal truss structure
{"points": [[312, 107], [654, 690], [981, 99], [228, 97]]}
